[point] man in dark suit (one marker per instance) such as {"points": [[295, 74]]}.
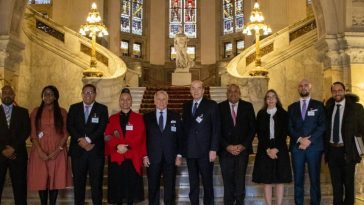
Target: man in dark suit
{"points": [[164, 135], [14, 130], [201, 125], [86, 124], [345, 121], [306, 126], [237, 128]]}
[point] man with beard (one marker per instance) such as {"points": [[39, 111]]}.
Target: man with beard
{"points": [[345, 121], [14, 130], [306, 126]]}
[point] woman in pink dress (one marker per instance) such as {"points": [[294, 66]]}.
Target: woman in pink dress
{"points": [[48, 169]]}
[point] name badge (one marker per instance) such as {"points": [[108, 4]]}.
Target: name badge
{"points": [[199, 118], [173, 129], [40, 135], [95, 120], [311, 113], [129, 127]]}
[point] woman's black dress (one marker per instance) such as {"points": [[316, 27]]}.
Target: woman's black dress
{"points": [[267, 170]]}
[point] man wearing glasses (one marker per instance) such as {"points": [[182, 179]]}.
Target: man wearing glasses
{"points": [[86, 124]]}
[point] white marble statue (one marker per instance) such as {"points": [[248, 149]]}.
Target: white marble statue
{"points": [[183, 61]]}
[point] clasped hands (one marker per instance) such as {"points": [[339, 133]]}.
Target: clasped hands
{"points": [[9, 152], [82, 142], [272, 153], [44, 156], [304, 142], [235, 149]]}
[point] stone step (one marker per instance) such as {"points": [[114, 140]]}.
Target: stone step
{"points": [[325, 200], [252, 191]]}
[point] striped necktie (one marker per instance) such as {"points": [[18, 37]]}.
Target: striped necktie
{"points": [[7, 111]]}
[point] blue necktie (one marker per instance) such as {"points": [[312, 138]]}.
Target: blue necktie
{"points": [[160, 121], [87, 112], [194, 109], [336, 127]]}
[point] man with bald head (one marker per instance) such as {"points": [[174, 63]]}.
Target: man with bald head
{"points": [[306, 126], [14, 130], [201, 125]]}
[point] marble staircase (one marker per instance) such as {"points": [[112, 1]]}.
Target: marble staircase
{"points": [[254, 192]]}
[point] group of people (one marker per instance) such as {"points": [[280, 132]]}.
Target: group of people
{"points": [[127, 141]]}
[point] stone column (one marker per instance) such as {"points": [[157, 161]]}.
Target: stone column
{"points": [[10, 57], [112, 17], [334, 60]]}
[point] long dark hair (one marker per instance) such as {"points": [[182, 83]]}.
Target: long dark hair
{"points": [[58, 119], [279, 104]]}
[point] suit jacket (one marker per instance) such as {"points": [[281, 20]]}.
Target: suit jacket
{"points": [[17, 134], [134, 137], [165, 144], [94, 129], [352, 125], [201, 137], [314, 124], [243, 132]]}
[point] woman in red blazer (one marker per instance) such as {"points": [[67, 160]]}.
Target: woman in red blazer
{"points": [[125, 147]]}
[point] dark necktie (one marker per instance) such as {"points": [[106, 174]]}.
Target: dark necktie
{"points": [[336, 128], [160, 121], [194, 109]]}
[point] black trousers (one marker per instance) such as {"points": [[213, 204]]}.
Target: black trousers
{"points": [[342, 177], [92, 164], [233, 170], [203, 167], [18, 176], [155, 171]]}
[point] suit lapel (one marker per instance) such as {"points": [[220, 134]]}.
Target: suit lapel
{"points": [[154, 119], [228, 111], [298, 110], [189, 110], [3, 117], [168, 122], [82, 113]]}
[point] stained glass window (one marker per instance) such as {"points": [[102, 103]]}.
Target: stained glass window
{"points": [[131, 16], [233, 15], [183, 13]]}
